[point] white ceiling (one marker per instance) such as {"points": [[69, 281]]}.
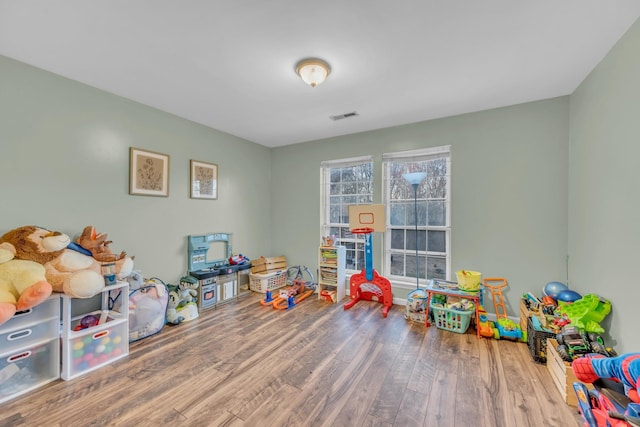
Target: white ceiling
{"points": [[229, 64]]}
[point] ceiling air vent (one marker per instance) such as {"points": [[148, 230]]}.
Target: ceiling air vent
{"points": [[343, 116]]}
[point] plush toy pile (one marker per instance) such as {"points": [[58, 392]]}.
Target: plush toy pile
{"points": [[35, 261]]}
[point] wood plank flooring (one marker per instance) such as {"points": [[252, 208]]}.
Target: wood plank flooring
{"points": [[242, 364]]}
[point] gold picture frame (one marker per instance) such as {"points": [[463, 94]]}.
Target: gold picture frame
{"points": [[204, 180], [148, 173]]}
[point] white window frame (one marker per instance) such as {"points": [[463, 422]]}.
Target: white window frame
{"points": [[411, 158], [353, 242]]}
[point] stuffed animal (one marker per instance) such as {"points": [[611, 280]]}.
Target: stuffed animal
{"points": [[188, 289], [98, 245], [22, 285], [172, 308], [624, 368], [68, 271]]}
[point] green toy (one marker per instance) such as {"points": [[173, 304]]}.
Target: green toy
{"points": [[587, 312]]}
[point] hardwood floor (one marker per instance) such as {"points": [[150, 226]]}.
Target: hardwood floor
{"points": [[242, 364]]}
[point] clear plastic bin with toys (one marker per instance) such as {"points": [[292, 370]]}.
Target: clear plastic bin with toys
{"points": [[93, 340]]}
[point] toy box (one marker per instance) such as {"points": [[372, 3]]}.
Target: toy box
{"points": [[562, 374], [30, 349], [267, 265]]}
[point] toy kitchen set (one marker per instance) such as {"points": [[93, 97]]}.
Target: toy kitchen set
{"points": [[218, 281]]}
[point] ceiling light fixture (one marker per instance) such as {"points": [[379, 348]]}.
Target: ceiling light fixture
{"points": [[313, 71]]}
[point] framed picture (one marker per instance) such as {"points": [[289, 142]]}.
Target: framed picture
{"points": [[148, 173], [204, 180]]}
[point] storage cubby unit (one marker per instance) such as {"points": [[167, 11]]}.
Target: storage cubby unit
{"points": [[30, 349], [86, 350], [331, 273], [243, 281]]}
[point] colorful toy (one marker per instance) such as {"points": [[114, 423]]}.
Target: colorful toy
{"points": [[68, 271], [98, 245], [587, 312], [368, 284], [95, 349], [23, 284], [188, 289], [290, 297], [610, 403], [87, 321], [173, 317], [552, 289], [505, 327], [486, 328], [568, 296], [238, 260], [572, 343]]}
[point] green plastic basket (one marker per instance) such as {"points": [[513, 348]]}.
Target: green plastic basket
{"points": [[452, 320]]}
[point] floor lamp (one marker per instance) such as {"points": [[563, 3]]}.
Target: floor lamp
{"points": [[415, 179]]}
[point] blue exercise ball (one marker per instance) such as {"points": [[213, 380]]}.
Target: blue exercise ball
{"points": [[552, 289], [568, 296]]}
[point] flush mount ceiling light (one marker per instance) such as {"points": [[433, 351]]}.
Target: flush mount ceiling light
{"points": [[313, 71]]}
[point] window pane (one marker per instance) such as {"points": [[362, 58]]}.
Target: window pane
{"points": [[437, 241], [397, 264], [437, 267], [397, 239], [397, 214], [437, 213], [411, 266]]}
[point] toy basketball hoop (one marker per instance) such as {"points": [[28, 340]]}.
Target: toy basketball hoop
{"points": [[362, 230], [368, 284]]}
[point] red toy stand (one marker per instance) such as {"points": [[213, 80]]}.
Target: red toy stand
{"points": [[368, 285], [378, 289]]}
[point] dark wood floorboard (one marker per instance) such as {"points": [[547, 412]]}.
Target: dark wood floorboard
{"points": [[242, 364]]}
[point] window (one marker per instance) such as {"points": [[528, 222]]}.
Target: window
{"points": [[345, 182], [433, 215]]}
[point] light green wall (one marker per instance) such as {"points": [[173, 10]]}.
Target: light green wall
{"points": [[64, 164], [604, 202], [509, 191]]}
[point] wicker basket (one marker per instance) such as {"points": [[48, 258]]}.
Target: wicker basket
{"points": [[267, 281], [452, 320]]}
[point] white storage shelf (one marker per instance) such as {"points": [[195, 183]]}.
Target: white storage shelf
{"points": [[331, 273], [30, 349], [86, 350]]}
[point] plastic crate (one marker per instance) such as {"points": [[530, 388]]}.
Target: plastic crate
{"points": [[28, 368], [94, 347], [267, 282], [537, 342], [452, 320]]}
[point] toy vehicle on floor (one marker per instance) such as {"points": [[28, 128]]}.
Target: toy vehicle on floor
{"points": [[508, 329], [606, 405], [503, 327], [573, 343]]}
